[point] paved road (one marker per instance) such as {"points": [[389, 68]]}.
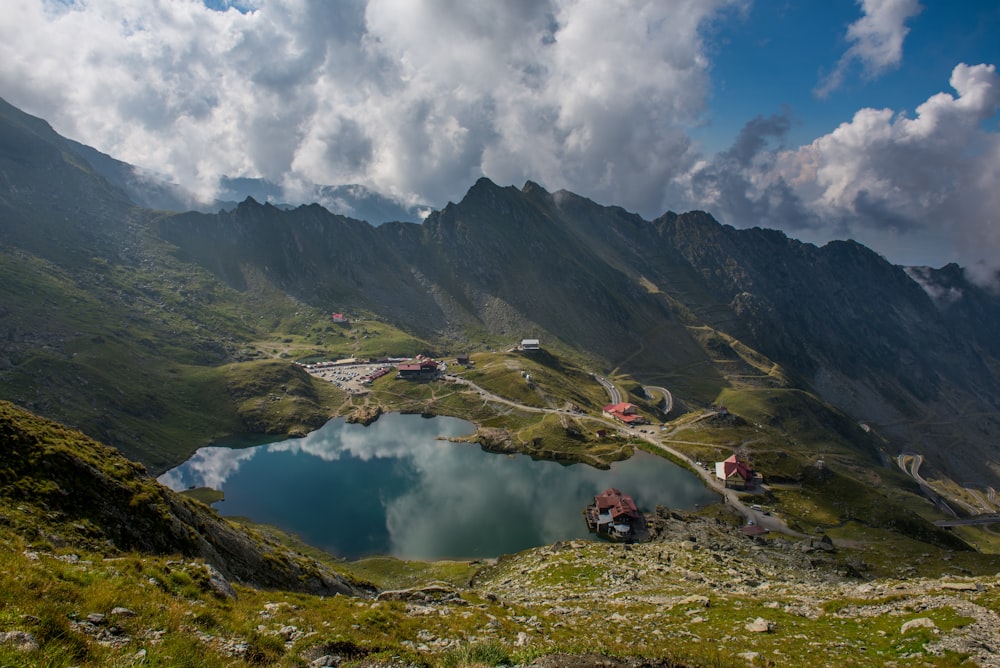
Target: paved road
{"points": [[984, 505], [909, 463], [668, 399], [969, 521], [731, 497], [616, 396]]}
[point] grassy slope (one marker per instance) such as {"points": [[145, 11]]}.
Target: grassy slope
{"points": [[141, 359], [86, 603], [66, 488], [676, 599]]}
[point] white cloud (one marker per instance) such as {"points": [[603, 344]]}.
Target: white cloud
{"points": [[415, 98], [923, 187], [876, 41]]}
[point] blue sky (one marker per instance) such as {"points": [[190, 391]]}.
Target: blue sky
{"points": [[871, 119], [776, 53]]}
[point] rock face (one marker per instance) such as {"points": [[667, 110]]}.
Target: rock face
{"points": [[22, 641], [918, 623], [496, 440], [432, 593]]}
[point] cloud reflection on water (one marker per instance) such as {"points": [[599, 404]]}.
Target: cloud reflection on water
{"points": [[208, 467], [437, 499]]}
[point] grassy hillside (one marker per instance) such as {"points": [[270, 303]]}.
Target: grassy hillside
{"points": [[138, 357], [66, 488], [84, 586]]}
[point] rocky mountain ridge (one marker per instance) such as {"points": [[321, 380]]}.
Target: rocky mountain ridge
{"points": [[840, 319], [911, 352]]}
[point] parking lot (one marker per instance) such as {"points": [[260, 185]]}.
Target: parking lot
{"points": [[353, 378]]}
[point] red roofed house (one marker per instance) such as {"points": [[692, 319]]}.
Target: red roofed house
{"points": [[735, 471], [339, 318], [624, 412], [613, 514], [422, 368]]}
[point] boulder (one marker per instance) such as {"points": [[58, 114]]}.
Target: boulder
{"points": [[219, 584], [918, 623], [760, 625], [19, 640]]}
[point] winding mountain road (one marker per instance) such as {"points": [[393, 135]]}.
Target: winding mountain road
{"points": [[730, 496], [970, 521], [668, 399], [909, 463], [613, 392]]}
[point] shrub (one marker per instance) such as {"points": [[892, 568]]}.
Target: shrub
{"points": [[490, 653]]}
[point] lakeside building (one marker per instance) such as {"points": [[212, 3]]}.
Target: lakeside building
{"points": [[625, 413], [614, 515], [736, 473], [420, 369]]}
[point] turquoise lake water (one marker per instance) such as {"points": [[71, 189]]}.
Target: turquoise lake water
{"points": [[395, 487]]}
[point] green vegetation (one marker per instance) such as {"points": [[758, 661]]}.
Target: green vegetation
{"points": [[107, 602], [392, 573], [205, 495], [159, 333]]}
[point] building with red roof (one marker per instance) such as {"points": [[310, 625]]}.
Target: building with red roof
{"points": [[736, 472], [613, 514], [423, 367], [624, 412]]}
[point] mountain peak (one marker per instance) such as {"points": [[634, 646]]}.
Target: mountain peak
{"points": [[532, 188]]}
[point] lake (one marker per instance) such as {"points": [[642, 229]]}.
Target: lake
{"points": [[397, 488]]}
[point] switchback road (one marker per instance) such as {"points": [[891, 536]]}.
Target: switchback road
{"points": [[668, 399]]}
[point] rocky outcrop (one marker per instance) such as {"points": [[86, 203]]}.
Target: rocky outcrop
{"points": [[365, 415], [497, 440]]}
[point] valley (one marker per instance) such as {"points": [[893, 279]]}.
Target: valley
{"points": [[131, 337]]}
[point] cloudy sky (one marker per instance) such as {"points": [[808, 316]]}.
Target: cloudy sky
{"points": [[874, 119]]}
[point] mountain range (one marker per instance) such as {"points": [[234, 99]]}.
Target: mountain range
{"points": [[156, 328], [910, 351], [154, 191]]}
